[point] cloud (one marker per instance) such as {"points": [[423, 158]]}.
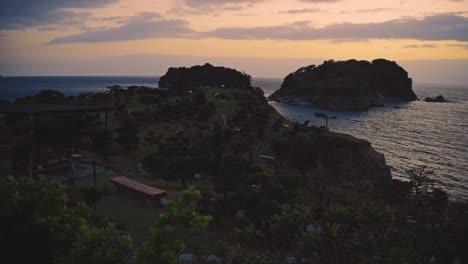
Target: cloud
{"points": [[151, 25], [20, 14], [142, 26], [465, 46], [437, 27], [204, 3], [210, 7], [301, 11], [366, 11], [319, 1], [414, 46]]}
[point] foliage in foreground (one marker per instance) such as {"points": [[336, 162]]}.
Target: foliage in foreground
{"points": [[41, 223], [179, 216], [37, 217]]}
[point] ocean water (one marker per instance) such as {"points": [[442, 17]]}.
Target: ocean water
{"points": [[409, 134], [14, 87]]}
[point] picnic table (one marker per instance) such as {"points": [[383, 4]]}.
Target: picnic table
{"points": [[138, 187]]}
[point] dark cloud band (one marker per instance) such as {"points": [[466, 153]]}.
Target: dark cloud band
{"points": [[436, 27], [20, 14]]}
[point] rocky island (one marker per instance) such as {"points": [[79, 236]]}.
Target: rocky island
{"points": [[204, 76], [347, 85]]}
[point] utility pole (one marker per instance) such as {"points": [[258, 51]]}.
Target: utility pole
{"points": [[94, 173]]}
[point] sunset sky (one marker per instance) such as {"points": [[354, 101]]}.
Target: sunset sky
{"points": [[266, 38]]}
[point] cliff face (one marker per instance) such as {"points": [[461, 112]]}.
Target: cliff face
{"points": [[347, 85], [204, 76], [354, 158], [334, 155]]}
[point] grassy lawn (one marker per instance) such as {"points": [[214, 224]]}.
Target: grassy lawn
{"points": [[134, 215], [129, 210]]}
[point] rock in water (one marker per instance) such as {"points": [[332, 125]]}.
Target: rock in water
{"points": [[437, 99], [347, 85]]}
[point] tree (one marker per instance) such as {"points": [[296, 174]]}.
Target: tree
{"points": [[152, 139], [424, 189], [106, 245], [326, 117], [177, 152], [206, 111], [217, 141], [179, 216], [91, 195], [102, 142], [286, 226], [127, 134], [277, 124], [47, 96], [38, 221], [420, 181]]}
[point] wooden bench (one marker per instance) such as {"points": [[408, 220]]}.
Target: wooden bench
{"points": [[132, 185]]}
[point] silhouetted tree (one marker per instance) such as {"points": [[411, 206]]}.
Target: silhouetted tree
{"points": [[424, 189], [44, 97], [326, 117]]}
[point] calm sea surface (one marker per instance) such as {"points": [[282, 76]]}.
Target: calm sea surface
{"points": [[415, 133]]}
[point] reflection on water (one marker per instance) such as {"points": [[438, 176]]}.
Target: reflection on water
{"points": [[410, 134]]}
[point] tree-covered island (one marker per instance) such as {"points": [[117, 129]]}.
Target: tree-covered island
{"points": [[347, 85]]}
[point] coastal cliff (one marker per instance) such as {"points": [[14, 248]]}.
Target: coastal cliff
{"points": [[347, 85], [332, 155]]}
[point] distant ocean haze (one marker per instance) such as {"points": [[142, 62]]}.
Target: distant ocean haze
{"points": [[409, 134]]}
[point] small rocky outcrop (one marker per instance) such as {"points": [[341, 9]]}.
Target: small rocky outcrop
{"points": [[437, 99], [204, 76], [347, 85]]}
